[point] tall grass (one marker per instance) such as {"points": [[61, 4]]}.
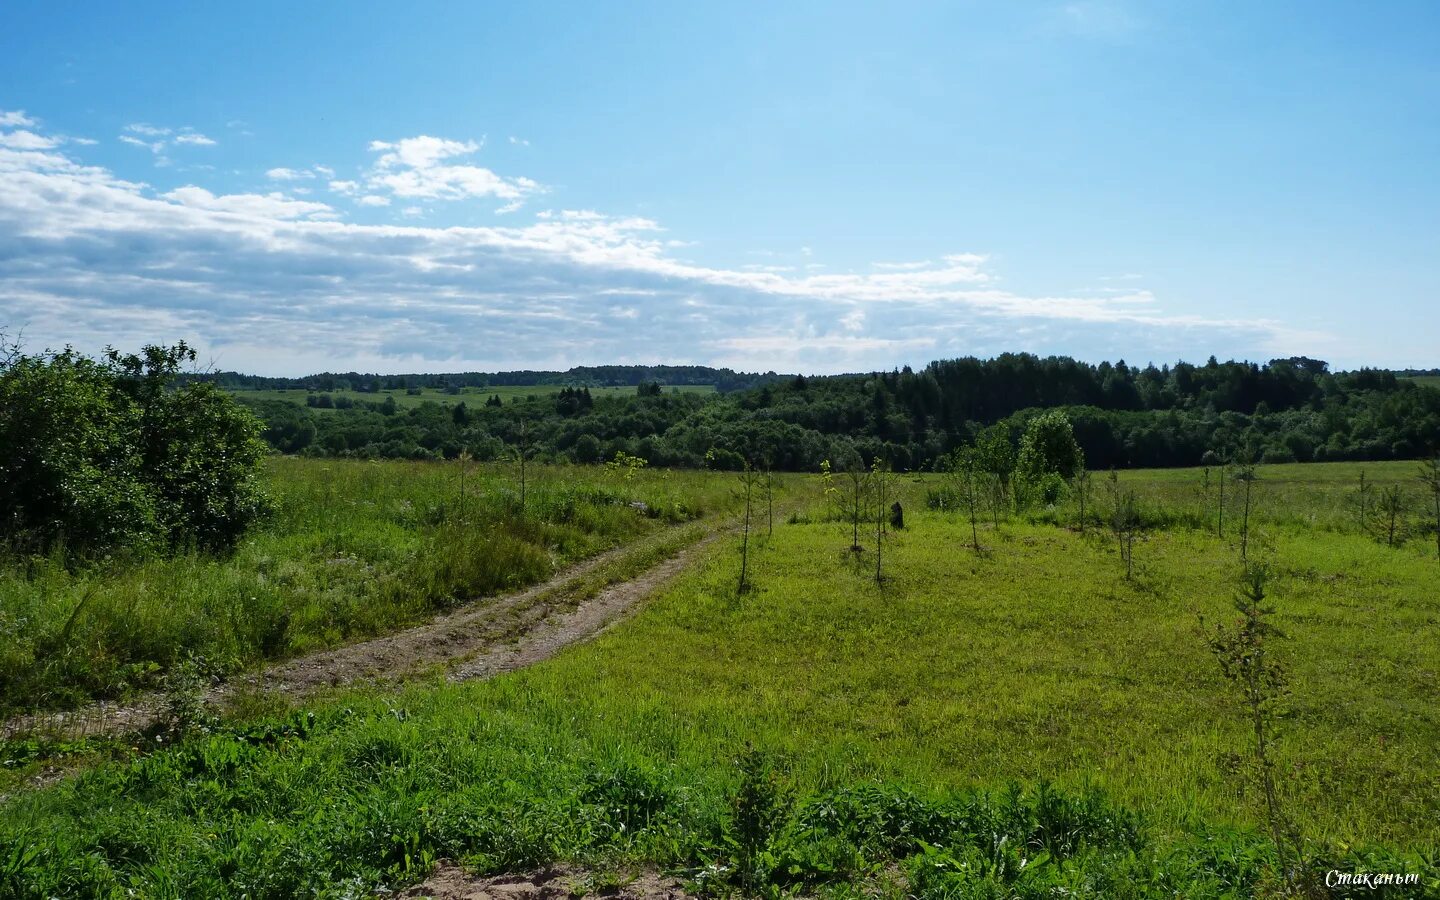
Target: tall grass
{"points": [[353, 549]]}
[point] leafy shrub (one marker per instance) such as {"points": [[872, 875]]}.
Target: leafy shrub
{"points": [[1048, 455], [101, 454]]}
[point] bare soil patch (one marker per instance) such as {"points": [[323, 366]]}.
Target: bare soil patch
{"points": [[450, 882]]}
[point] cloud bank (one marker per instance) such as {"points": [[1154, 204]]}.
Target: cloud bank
{"points": [[277, 282]]}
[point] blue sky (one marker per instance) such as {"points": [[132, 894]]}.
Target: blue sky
{"points": [[817, 187]]}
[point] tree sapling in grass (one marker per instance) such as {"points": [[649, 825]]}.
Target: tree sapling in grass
{"points": [[1363, 499], [1243, 653], [852, 498], [965, 474], [1390, 509], [882, 490], [1246, 475], [1125, 522], [749, 484]]}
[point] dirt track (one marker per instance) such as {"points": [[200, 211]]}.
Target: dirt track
{"points": [[450, 882], [478, 640]]}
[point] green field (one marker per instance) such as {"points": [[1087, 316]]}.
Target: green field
{"points": [[1427, 380], [351, 549], [469, 395], [823, 734]]}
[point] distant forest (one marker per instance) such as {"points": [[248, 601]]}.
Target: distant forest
{"points": [[1124, 416], [581, 376]]}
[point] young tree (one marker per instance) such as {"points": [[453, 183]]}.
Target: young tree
{"points": [[1430, 478], [1220, 505], [769, 500], [521, 452], [881, 491], [1390, 511], [464, 462], [1083, 488], [1243, 654], [1125, 522], [853, 496], [828, 490], [749, 483], [1245, 474], [1364, 495], [965, 476], [1203, 489]]}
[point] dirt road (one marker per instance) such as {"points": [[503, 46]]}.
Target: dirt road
{"points": [[478, 640]]}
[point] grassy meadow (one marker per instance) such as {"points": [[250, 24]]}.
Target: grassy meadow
{"points": [[352, 549], [1024, 721]]}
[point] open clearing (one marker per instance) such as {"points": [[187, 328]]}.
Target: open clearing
{"points": [[863, 717]]}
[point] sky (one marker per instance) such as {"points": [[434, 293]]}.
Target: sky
{"points": [[813, 187]]}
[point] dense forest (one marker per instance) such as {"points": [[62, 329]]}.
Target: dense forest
{"points": [[1286, 410]]}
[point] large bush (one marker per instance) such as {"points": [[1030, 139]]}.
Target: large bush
{"points": [[1048, 455], [110, 452]]}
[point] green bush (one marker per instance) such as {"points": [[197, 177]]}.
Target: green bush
{"points": [[1048, 455], [99, 454]]}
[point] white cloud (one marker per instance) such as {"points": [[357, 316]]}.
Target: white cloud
{"points": [[519, 142], [344, 187], [16, 118], [903, 266], [324, 171], [283, 174], [26, 140], [274, 206], [158, 139], [136, 142], [373, 200], [271, 282], [420, 168]]}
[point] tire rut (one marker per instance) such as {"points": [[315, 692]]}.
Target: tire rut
{"points": [[481, 639]]}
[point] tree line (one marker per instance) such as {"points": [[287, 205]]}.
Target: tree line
{"points": [[1287, 410], [723, 380]]}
